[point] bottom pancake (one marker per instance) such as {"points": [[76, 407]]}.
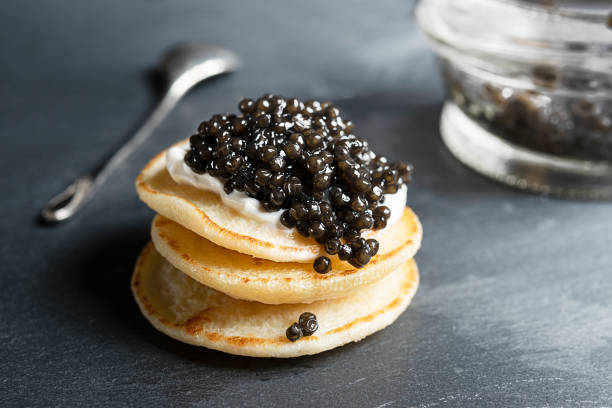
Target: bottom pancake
{"points": [[193, 313]]}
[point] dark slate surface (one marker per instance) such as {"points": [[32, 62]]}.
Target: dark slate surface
{"points": [[515, 306]]}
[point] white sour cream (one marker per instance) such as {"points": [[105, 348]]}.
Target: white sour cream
{"points": [[248, 206]]}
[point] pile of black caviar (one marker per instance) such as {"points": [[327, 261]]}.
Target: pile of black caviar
{"points": [[303, 158]]}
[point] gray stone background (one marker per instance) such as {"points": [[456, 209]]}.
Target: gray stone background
{"points": [[515, 305]]}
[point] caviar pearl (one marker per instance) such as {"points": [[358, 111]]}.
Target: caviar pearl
{"points": [[246, 105], [317, 229], [294, 332], [287, 219], [322, 264], [345, 253], [373, 245], [308, 323], [332, 246]]}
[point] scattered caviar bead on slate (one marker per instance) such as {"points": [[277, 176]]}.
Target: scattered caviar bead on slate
{"points": [[308, 323], [322, 264], [303, 159], [294, 332]]}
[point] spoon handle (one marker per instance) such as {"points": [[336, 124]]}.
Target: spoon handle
{"points": [[65, 204]]}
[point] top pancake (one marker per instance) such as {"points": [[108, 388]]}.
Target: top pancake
{"points": [[204, 213]]}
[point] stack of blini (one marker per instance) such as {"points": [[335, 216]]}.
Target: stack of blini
{"points": [[213, 277]]}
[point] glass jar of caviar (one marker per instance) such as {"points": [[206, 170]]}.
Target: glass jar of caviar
{"points": [[529, 90]]}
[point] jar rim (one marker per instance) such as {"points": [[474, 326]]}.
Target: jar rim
{"points": [[558, 32]]}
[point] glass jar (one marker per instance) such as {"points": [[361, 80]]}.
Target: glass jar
{"points": [[529, 90]]}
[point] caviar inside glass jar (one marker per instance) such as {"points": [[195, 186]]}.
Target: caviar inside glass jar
{"points": [[529, 90]]}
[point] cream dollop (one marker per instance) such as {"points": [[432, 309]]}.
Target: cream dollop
{"points": [[248, 206]]}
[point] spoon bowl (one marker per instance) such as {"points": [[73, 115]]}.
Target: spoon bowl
{"points": [[185, 65]]}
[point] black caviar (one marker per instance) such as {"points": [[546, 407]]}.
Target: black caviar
{"points": [[294, 332], [302, 158], [322, 264], [305, 326], [308, 323], [553, 112]]}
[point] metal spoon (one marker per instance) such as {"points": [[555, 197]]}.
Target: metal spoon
{"points": [[184, 66]]}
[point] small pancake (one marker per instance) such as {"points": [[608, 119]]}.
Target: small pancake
{"points": [[196, 314], [244, 277], [204, 213]]}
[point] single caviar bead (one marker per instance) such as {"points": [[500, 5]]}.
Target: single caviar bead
{"points": [[375, 194], [350, 234], [308, 323], [336, 230], [332, 246], [341, 153], [305, 317], [262, 177], [301, 211], [194, 163], [373, 245], [322, 264], [293, 186], [361, 256], [294, 332], [297, 138], [293, 106], [277, 180], [277, 163], [263, 120], [314, 140], [345, 253], [341, 200], [321, 181], [380, 223], [316, 229], [277, 196], [314, 164], [358, 243], [233, 163], [293, 150], [287, 220], [268, 153], [262, 105], [357, 203], [246, 105], [382, 212]]}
